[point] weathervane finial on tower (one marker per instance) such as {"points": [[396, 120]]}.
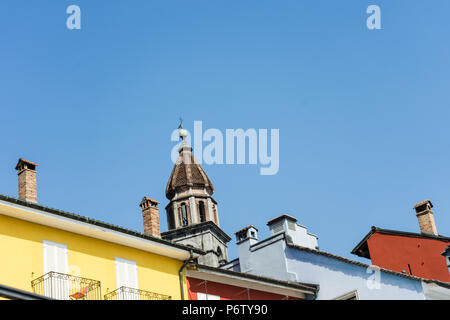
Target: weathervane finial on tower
{"points": [[181, 131]]}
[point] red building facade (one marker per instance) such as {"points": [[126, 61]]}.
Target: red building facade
{"points": [[204, 289], [418, 254], [415, 254], [208, 283]]}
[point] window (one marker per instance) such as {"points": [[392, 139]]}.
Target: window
{"points": [[56, 260], [126, 276], [55, 257], [184, 218], [201, 208], [207, 296]]}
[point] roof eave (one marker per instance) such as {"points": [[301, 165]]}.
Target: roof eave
{"points": [[97, 229], [304, 289], [357, 249]]}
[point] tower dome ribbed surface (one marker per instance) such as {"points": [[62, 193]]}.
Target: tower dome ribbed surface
{"points": [[187, 173]]}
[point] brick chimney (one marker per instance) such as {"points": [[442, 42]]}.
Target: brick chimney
{"points": [[27, 180], [150, 214], [426, 217]]}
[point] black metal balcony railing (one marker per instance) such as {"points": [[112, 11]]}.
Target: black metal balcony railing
{"points": [[126, 293], [66, 287]]}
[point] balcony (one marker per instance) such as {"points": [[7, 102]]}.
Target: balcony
{"points": [[66, 287], [126, 293]]}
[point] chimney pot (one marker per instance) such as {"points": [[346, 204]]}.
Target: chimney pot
{"points": [[150, 214], [425, 216], [27, 180], [249, 232]]}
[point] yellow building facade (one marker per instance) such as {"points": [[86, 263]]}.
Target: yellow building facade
{"points": [[69, 257]]}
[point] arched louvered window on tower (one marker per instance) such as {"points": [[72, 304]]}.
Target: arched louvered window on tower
{"points": [[202, 212], [184, 215]]}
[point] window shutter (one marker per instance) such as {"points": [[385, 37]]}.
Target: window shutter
{"points": [[204, 296], [56, 260], [49, 258], [132, 273], [126, 274], [55, 257], [121, 273], [62, 259]]}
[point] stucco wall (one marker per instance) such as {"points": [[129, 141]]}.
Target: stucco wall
{"points": [[273, 258], [207, 242], [269, 260], [229, 292], [337, 278], [419, 256], [21, 246]]}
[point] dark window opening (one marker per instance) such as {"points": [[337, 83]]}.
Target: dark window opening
{"points": [[201, 207], [184, 218], [171, 218]]}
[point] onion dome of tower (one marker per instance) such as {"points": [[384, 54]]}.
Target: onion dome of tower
{"points": [[187, 172]]}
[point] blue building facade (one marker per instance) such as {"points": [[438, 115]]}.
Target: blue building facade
{"points": [[291, 253]]}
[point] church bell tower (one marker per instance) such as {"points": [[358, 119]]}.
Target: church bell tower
{"points": [[192, 213]]}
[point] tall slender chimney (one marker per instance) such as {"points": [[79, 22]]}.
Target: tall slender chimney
{"points": [[27, 180], [150, 214], [426, 217]]}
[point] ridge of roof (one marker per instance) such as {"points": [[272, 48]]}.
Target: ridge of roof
{"points": [[98, 223]]}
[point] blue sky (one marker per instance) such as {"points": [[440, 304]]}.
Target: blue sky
{"points": [[363, 115]]}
